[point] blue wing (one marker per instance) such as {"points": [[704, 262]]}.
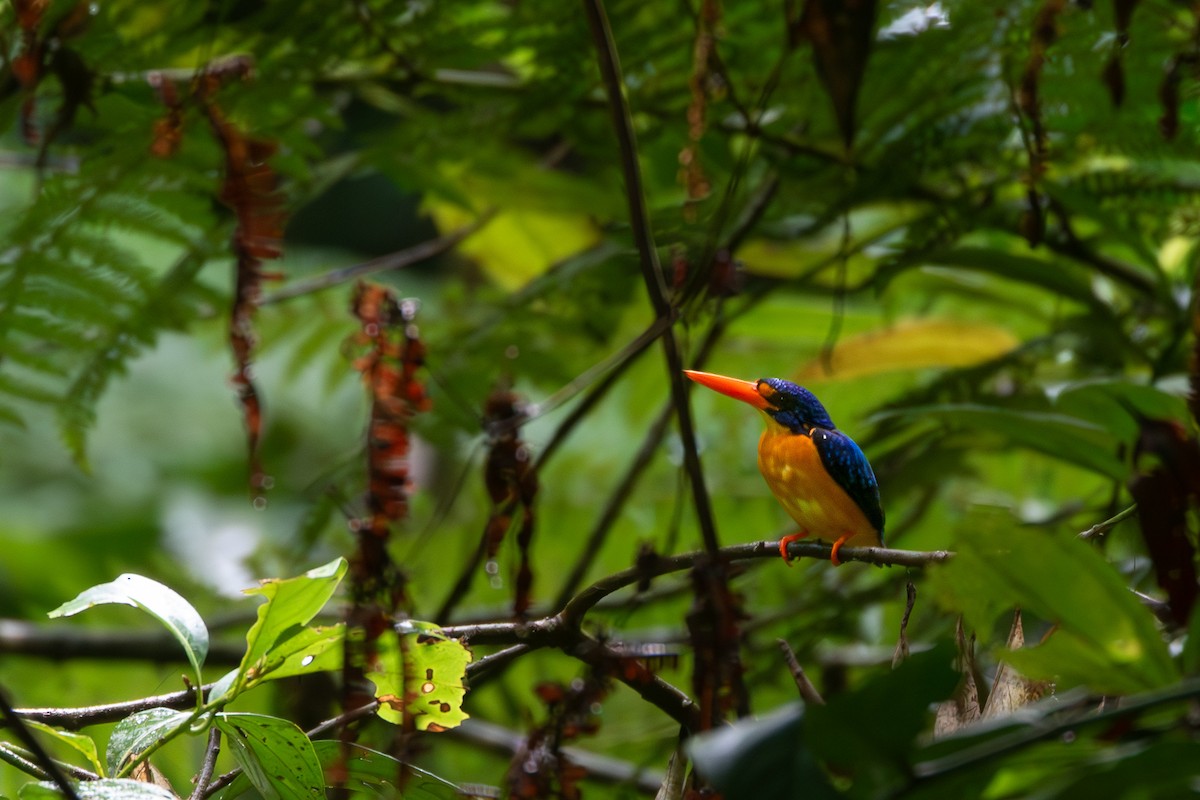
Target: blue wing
{"points": [[849, 468]]}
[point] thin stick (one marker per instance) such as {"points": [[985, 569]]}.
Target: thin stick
{"points": [[1101, 528], [48, 764], [902, 649], [807, 690], [210, 763]]}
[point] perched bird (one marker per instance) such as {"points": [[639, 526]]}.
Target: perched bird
{"points": [[817, 472]]}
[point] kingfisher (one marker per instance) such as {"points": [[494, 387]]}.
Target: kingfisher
{"points": [[817, 473]]}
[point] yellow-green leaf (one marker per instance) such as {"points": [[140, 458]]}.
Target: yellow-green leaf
{"points": [[421, 674], [914, 344]]}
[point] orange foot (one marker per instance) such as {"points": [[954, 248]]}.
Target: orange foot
{"points": [[786, 540], [833, 555]]}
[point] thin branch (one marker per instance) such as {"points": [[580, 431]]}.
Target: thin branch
{"points": [[346, 717], [643, 237], [601, 769], [393, 261], [43, 759], [484, 669], [72, 719], [574, 611], [615, 503], [1101, 528], [803, 684], [1041, 730], [23, 760], [66, 643], [210, 763], [612, 507]]}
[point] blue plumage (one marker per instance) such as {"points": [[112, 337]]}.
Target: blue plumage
{"points": [[849, 468], [799, 410]]}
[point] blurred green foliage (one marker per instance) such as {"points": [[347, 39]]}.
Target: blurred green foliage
{"points": [[1034, 291]]}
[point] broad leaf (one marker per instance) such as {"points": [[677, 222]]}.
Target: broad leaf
{"points": [[848, 732], [276, 756], [376, 773], [163, 603], [421, 674], [1066, 438], [138, 732], [772, 749], [291, 604], [1105, 638]]}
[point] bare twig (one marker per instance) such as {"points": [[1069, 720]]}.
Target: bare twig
{"points": [[601, 769], [210, 763], [643, 237], [807, 690], [72, 719], [902, 648], [398, 260]]}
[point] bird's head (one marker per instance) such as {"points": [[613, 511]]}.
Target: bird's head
{"points": [[788, 404]]}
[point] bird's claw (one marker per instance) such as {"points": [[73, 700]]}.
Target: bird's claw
{"points": [[833, 554], [785, 541]]}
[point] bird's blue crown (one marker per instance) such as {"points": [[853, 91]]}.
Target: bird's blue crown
{"points": [[793, 406]]}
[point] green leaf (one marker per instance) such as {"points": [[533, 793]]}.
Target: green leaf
{"points": [[138, 732], [104, 789], [1063, 437], [276, 756], [291, 604], [161, 602], [376, 773], [79, 742], [1106, 639], [848, 732], [1055, 276], [421, 673], [771, 748]]}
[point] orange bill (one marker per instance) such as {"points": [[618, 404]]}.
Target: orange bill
{"points": [[746, 391]]}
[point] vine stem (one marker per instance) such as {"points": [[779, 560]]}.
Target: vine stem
{"points": [[652, 274]]}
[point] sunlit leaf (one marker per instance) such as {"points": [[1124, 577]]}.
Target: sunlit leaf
{"points": [[161, 602], [421, 674], [278, 639]]}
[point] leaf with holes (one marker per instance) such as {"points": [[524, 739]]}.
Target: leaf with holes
{"points": [[276, 756], [421, 674], [159, 601], [138, 732]]}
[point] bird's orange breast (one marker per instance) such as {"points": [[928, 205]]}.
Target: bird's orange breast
{"points": [[792, 468]]}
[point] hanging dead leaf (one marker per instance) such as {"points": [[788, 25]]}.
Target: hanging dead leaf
{"points": [[1012, 690], [963, 708]]}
